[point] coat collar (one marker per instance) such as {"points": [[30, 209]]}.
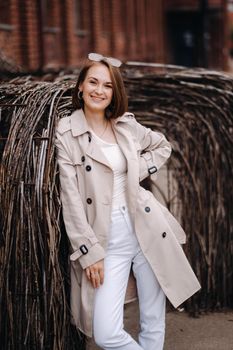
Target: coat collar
{"points": [[78, 122], [80, 126], [124, 118]]}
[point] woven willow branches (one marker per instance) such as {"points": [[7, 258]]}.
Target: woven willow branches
{"points": [[33, 255], [193, 109]]}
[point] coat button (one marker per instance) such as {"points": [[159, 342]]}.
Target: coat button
{"points": [[89, 138], [88, 168], [164, 234], [89, 200], [147, 209], [83, 158]]}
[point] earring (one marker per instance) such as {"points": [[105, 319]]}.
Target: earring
{"points": [[80, 95]]}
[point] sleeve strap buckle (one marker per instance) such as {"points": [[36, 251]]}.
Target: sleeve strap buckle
{"points": [[152, 170], [83, 249]]}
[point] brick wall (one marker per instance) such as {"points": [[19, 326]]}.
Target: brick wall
{"points": [[10, 33], [47, 34]]}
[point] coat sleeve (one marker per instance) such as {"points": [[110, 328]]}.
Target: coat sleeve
{"points": [[85, 245], [155, 150]]}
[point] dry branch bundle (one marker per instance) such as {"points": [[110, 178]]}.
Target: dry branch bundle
{"points": [[33, 253], [193, 108]]}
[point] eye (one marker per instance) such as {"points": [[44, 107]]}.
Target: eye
{"points": [[108, 86], [93, 82]]}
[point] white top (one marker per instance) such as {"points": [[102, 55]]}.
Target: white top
{"points": [[118, 164]]}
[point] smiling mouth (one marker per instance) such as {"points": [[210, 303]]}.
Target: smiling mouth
{"points": [[97, 98]]}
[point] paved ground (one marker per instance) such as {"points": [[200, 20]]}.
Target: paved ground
{"points": [[208, 332]]}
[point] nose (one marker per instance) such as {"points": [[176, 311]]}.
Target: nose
{"points": [[99, 89]]}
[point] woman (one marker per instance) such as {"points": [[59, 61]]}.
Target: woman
{"points": [[113, 224]]}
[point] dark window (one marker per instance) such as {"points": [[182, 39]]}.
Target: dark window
{"points": [[79, 16], [5, 17], [49, 20], [82, 13], [106, 16], [123, 16]]}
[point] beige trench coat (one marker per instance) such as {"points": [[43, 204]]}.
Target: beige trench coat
{"points": [[86, 192]]}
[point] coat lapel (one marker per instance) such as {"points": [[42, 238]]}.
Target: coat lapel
{"points": [[94, 151], [88, 145]]}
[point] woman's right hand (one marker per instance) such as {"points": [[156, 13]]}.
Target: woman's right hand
{"points": [[95, 273]]}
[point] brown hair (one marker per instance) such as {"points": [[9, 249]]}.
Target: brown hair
{"points": [[119, 103]]}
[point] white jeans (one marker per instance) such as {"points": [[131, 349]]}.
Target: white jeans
{"points": [[122, 252]]}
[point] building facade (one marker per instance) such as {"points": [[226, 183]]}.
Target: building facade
{"points": [[55, 34]]}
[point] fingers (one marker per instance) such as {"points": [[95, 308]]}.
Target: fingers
{"points": [[95, 279], [95, 274], [88, 273]]}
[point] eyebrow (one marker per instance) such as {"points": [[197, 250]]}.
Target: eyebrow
{"points": [[106, 82]]}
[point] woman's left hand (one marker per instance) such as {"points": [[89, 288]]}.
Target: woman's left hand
{"points": [[95, 273]]}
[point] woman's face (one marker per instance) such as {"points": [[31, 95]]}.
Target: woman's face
{"points": [[97, 88]]}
